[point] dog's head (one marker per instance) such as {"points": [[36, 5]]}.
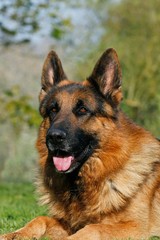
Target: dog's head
{"points": [[75, 113]]}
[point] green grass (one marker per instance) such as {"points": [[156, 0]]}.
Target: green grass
{"points": [[18, 206]]}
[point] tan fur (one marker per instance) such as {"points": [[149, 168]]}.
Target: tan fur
{"points": [[118, 187]]}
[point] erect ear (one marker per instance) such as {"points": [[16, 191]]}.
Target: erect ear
{"points": [[52, 73], [107, 77]]}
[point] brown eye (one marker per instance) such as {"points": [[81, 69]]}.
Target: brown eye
{"points": [[83, 110], [54, 110]]}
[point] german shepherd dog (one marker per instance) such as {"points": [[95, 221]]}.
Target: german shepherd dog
{"points": [[99, 172]]}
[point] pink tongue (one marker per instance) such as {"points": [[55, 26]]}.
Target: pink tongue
{"points": [[63, 163]]}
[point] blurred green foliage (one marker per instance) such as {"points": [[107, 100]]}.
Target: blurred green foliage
{"points": [[133, 28], [23, 18], [18, 109]]}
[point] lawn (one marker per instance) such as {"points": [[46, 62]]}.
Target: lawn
{"points": [[18, 205]]}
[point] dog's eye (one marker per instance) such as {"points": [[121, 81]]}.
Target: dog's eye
{"points": [[54, 110], [82, 111]]}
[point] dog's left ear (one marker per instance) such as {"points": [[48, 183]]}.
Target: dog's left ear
{"points": [[107, 76], [52, 73]]}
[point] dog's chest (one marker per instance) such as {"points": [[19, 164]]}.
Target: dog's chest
{"points": [[81, 206], [79, 211]]}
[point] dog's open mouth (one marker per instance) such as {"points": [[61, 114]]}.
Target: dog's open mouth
{"points": [[66, 162]]}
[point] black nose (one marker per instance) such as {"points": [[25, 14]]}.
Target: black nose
{"points": [[55, 138]]}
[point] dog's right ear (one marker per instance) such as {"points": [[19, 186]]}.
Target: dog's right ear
{"points": [[107, 77], [52, 73]]}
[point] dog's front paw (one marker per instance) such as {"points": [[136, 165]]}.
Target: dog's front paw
{"points": [[8, 236], [14, 236]]}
